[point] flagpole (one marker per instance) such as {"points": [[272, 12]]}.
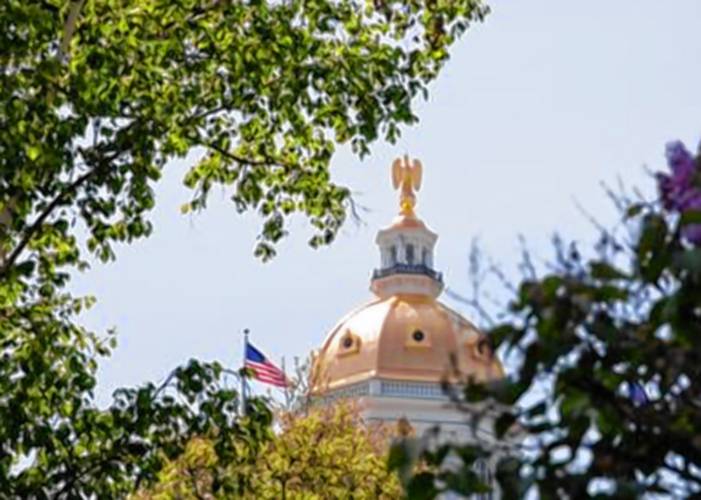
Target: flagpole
{"points": [[243, 373], [287, 394]]}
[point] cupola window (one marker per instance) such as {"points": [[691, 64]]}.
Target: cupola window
{"points": [[410, 254], [393, 255], [418, 336], [424, 256]]}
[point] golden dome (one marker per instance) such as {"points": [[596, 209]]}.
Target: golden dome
{"points": [[405, 333], [409, 338]]}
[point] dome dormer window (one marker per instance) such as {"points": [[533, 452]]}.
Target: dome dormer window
{"points": [[349, 343], [483, 349], [416, 337]]}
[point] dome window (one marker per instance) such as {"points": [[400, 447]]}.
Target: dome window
{"points": [[349, 343], [483, 349], [416, 337]]}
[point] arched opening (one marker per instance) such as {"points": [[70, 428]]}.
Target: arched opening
{"points": [[410, 258]]}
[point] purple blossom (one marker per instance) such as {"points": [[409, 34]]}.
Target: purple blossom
{"points": [[679, 159], [668, 190], [692, 233], [679, 191], [675, 188], [692, 201]]}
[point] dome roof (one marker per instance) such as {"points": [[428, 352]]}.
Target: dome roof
{"points": [[404, 334], [402, 337]]}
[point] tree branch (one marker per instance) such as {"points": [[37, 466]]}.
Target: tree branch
{"points": [[69, 28], [34, 227], [240, 159], [55, 203]]}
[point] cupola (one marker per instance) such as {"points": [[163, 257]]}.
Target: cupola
{"points": [[407, 245], [404, 335]]}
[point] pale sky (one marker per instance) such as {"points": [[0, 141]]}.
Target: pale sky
{"points": [[536, 108]]}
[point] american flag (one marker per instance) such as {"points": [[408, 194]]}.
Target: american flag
{"points": [[262, 368]]}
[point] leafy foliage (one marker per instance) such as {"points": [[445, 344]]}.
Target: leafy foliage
{"points": [[607, 355], [97, 96], [70, 449], [326, 453], [431, 466]]}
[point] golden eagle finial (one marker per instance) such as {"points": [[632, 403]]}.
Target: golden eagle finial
{"points": [[406, 176]]}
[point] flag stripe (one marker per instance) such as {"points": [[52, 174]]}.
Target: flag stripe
{"points": [[265, 369], [276, 382], [267, 365], [260, 373], [269, 378]]}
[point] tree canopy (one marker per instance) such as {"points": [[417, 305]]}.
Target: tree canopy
{"points": [[98, 96], [328, 452], [607, 357]]}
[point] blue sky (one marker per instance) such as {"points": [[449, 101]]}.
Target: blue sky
{"points": [[536, 108]]}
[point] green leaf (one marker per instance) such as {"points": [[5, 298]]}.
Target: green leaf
{"points": [[503, 423], [604, 271], [33, 152], [26, 268], [634, 210], [651, 249], [422, 487], [690, 217]]}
